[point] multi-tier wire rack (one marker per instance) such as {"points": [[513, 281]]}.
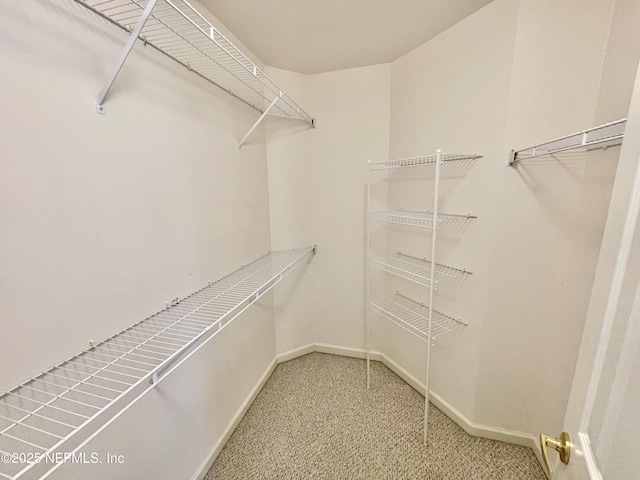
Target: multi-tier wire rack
{"points": [[60, 410], [421, 320]]}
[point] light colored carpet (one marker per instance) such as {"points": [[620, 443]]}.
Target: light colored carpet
{"points": [[315, 419]]}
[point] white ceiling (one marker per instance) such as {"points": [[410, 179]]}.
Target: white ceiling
{"points": [[312, 36]]}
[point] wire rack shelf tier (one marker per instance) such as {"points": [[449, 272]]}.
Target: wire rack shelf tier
{"points": [[607, 135], [421, 161], [60, 408], [177, 29], [418, 219], [415, 269], [413, 316]]}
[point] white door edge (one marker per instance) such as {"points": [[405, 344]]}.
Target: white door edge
{"points": [[589, 457]]}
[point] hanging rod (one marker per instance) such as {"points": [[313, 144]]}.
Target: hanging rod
{"points": [[62, 408], [606, 135], [178, 30]]}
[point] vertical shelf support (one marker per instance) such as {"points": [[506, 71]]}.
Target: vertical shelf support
{"points": [[255, 125], [123, 56], [434, 233], [367, 274]]}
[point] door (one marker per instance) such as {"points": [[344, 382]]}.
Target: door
{"points": [[602, 418]]}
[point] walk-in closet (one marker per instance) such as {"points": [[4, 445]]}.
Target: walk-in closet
{"points": [[316, 239]]}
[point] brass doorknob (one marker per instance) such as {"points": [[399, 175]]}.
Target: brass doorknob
{"points": [[561, 445]]}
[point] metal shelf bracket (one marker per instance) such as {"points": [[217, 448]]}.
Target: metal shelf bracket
{"points": [[255, 125], [123, 56]]}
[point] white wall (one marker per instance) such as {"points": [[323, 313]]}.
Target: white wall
{"points": [[290, 170], [511, 75], [104, 218], [317, 193], [564, 206], [107, 217], [543, 264], [451, 94]]}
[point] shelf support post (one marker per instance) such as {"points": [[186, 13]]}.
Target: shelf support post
{"points": [[264, 114], [434, 237], [367, 254], [123, 56]]}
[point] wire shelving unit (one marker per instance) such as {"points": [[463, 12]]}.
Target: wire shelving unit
{"points": [[607, 135], [178, 30], [62, 408], [413, 316], [419, 319]]}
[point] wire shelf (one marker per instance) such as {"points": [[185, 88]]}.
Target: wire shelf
{"points": [[422, 161], [63, 405], [418, 219], [413, 316], [606, 135], [416, 269], [178, 30]]}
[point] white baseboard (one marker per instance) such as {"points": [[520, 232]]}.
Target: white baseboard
{"points": [[345, 351], [474, 429], [295, 353], [231, 427], [325, 348]]}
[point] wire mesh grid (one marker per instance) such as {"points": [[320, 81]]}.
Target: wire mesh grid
{"points": [[414, 270], [417, 270], [177, 29], [420, 161], [40, 415], [443, 272], [418, 219], [606, 135], [413, 316]]}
